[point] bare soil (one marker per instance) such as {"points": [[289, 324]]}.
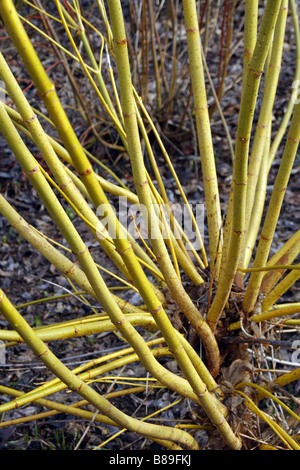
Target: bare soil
{"points": [[25, 275]]}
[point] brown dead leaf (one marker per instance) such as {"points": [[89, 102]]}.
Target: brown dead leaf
{"points": [[239, 371]]}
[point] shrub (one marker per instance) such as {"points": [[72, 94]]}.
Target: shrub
{"points": [[158, 260]]}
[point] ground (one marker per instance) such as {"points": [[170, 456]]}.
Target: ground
{"points": [[25, 275]]}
